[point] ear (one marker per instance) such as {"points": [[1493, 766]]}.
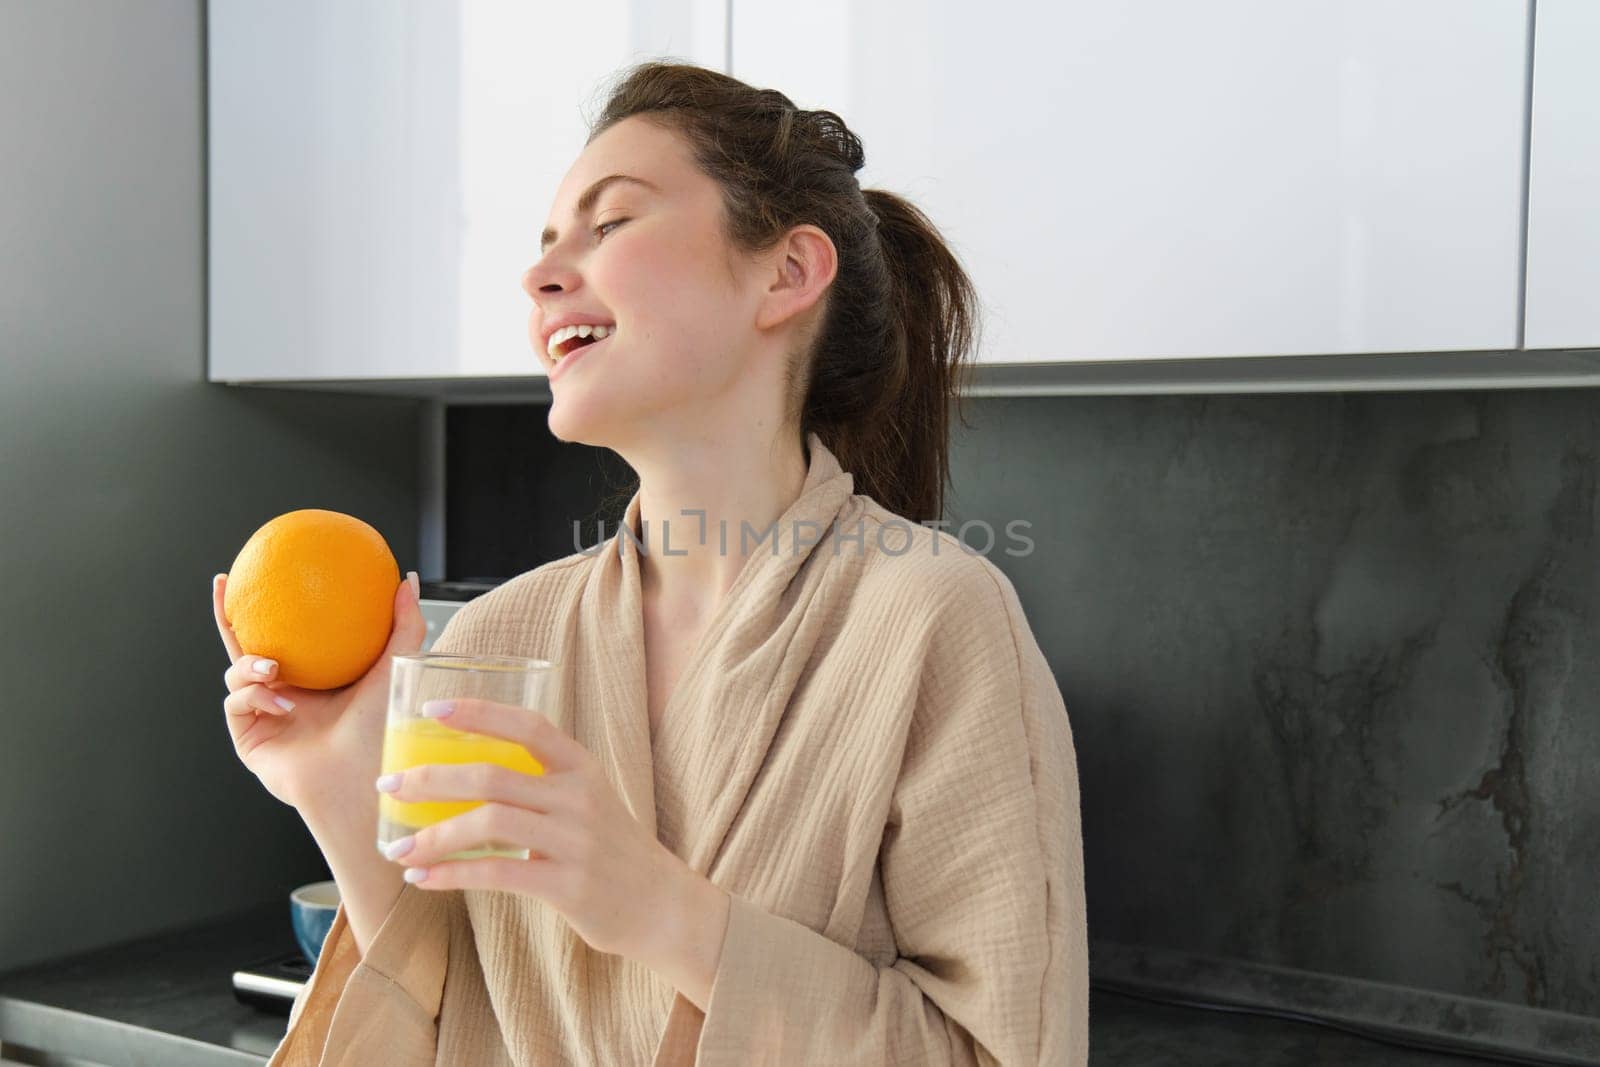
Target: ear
{"points": [[801, 267]]}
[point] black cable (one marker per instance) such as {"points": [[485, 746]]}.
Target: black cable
{"points": [[1442, 1045]]}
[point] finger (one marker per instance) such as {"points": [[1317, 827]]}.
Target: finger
{"points": [[534, 876], [470, 781], [244, 703], [494, 825], [250, 670], [218, 591], [532, 730], [246, 669], [410, 629]]}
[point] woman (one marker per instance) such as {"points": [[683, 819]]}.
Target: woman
{"points": [[814, 798]]}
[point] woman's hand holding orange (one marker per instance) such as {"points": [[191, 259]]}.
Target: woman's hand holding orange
{"points": [[318, 750]]}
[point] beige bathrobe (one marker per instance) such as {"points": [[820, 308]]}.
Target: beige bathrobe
{"points": [[867, 750]]}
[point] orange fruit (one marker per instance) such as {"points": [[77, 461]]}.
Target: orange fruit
{"points": [[314, 590]]}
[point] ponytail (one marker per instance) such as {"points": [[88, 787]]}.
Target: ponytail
{"points": [[897, 443]]}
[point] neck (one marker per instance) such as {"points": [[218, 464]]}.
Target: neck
{"points": [[704, 507]]}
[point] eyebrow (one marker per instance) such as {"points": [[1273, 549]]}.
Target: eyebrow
{"points": [[586, 202]]}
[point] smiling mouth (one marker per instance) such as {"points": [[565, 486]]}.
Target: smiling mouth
{"points": [[568, 351], [571, 345]]}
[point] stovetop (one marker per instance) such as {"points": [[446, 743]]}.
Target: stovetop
{"points": [[458, 589]]}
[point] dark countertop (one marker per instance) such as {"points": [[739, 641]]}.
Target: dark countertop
{"points": [[1125, 1031], [166, 999], [169, 999]]}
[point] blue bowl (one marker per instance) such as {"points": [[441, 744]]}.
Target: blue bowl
{"points": [[311, 909]]}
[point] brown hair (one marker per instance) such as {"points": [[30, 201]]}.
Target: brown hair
{"points": [[900, 314]]}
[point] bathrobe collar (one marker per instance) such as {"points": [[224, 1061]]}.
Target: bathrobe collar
{"points": [[708, 745]]}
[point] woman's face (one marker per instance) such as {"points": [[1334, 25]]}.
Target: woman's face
{"points": [[652, 261]]}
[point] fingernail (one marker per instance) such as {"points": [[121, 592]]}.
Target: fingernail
{"points": [[399, 848], [388, 783], [438, 709], [416, 584], [263, 667], [284, 702], [415, 874]]}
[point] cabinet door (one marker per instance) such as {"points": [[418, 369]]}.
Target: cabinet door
{"points": [[379, 172], [1564, 178], [1162, 178]]}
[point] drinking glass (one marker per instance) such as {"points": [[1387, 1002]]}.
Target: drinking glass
{"points": [[409, 740]]}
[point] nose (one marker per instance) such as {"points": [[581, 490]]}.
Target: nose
{"points": [[549, 275]]}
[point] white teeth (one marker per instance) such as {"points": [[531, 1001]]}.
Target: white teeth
{"points": [[567, 333]]}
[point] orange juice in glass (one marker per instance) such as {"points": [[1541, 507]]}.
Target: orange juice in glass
{"points": [[409, 740]]}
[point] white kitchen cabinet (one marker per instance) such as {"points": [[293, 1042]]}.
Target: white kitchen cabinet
{"points": [[1151, 179], [379, 172], [1563, 294]]}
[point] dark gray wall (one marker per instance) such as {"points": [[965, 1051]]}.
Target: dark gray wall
{"points": [[125, 483], [512, 491], [1331, 661], [1331, 665]]}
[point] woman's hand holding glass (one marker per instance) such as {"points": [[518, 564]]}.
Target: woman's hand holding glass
{"points": [[621, 890]]}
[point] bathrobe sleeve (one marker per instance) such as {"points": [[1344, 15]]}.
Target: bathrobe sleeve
{"points": [[982, 872], [384, 1007], [381, 1008]]}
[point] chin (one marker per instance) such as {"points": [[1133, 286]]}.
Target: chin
{"points": [[580, 421], [563, 427]]}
